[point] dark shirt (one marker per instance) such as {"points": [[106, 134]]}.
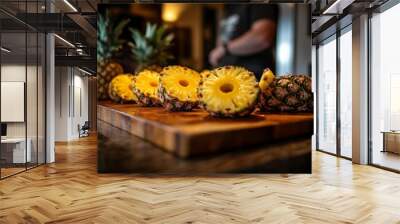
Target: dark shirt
{"points": [[246, 15]]}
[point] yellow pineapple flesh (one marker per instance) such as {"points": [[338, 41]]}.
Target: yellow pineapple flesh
{"points": [[229, 91], [178, 88], [145, 86], [120, 89]]}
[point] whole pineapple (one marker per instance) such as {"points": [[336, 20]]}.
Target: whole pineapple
{"points": [[229, 91], [120, 89], [108, 44], [288, 93], [178, 88], [145, 86], [150, 50]]}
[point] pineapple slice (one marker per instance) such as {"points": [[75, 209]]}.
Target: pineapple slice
{"points": [[178, 88], [285, 93], [120, 89], [229, 92], [145, 86]]}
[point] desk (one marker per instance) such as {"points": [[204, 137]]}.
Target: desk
{"points": [[391, 141], [15, 148]]}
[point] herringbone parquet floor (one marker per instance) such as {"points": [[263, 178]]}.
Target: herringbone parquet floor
{"points": [[71, 191]]}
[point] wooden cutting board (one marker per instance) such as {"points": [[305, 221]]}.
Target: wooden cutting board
{"points": [[194, 133]]}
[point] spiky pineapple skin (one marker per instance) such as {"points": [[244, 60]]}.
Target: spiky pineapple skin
{"points": [[246, 111], [288, 93], [106, 71], [243, 113], [171, 103], [203, 74], [120, 89], [145, 99]]}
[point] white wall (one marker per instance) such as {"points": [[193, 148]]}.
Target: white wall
{"points": [[12, 73], [71, 102], [61, 103]]}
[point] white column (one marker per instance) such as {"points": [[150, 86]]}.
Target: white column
{"points": [[314, 90], [50, 100], [360, 90]]}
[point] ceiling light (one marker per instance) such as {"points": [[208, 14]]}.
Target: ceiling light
{"points": [[84, 71], [171, 12], [331, 7], [64, 40], [70, 5], [5, 50], [337, 7]]}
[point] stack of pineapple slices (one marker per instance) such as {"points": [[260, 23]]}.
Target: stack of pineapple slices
{"points": [[228, 91], [224, 92]]}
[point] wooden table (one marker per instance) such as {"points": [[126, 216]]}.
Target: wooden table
{"points": [[14, 150], [391, 141], [122, 152]]}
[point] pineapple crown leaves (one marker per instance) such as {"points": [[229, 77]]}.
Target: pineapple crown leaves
{"points": [[151, 47], [108, 37]]}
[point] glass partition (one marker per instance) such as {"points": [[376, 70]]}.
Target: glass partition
{"points": [[385, 89], [326, 88], [15, 150], [346, 93], [22, 88]]}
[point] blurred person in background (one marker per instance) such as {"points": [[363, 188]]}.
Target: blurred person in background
{"points": [[247, 37]]}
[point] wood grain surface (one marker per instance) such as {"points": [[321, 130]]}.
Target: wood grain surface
{"points": [[194, 133], [121, 152]]}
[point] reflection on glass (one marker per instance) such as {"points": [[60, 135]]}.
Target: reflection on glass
{"points": [[385, 83], [22, 90], [327, 97], [15, 150], [345, 94]]}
